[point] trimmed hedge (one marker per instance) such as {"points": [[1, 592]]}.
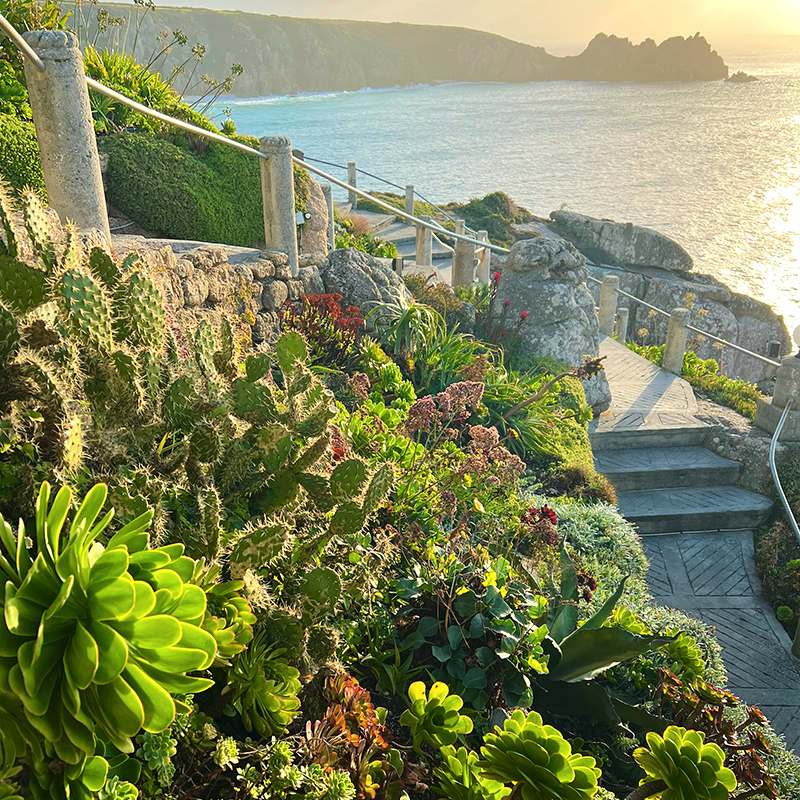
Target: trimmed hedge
{"points": [[20, 164], [173, 190]]}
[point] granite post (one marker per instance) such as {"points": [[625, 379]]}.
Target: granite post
{"points": [[62, 115], [485, 260], [463, 260], [410, 199], [675, 345], [769, 410], [424, 254], [352, 178], [277, 187], [622, 324], [327, 190], [607, 313]]}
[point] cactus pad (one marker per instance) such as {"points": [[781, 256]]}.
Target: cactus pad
{"points": [[318, 488], [254, 402], [22, 288], [224, 357], [104, 267], [178, 406], [205, 345], [379, 487], [291, 351], [257, 366], [321, 590], [149, 373], [38, 227], [348, 479], [72, 444], [9, 335], [146, 321], [87, 307], [348, 519], [258, 548], [205, 443], [9, 247]]}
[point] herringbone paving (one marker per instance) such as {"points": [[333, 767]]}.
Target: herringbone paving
{"points": [[712, 577]]}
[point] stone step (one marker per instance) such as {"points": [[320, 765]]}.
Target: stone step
{"points": [[665, 468], [699, 509], [673, 430]]}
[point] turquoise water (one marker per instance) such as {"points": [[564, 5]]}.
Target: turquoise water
{"points": [[715, 166]]}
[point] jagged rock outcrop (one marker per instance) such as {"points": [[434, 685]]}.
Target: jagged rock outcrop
{"points": [[314, 236], [284, 55], [608, 242], [546, 278]]}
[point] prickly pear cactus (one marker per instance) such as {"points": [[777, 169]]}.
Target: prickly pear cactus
{"points": [[9, 335], [144, 312], [22, 287], [205, 345], [205, 443], [38, 227], [105, 268], [178, 407], [87, 308], [348, 478], [259, 547], [320, 591]]}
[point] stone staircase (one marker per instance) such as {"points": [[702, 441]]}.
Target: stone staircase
{"points": [[649, 445]]}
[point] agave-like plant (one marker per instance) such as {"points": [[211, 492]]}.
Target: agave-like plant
{"points": [[96, 636], [682, 766], [537, 760]]}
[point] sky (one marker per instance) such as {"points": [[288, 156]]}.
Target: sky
{"points": [[550, 22]]}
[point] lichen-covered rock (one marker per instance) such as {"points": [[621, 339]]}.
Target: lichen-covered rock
{"points": [[311, 280], [621, 243], [274, 295], [546, 278], [314, 234], [360, 278]]}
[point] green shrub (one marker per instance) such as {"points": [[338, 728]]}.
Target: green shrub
{"points": [[20, 163], [495, 213], [399, 202], [169, 188]]}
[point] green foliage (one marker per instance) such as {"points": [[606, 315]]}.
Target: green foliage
{"points": [[264, 689], [20, 163], [399, 202], [367, 242], [95, 639], [433, 716], [704, 375], [496, 213], [537, 758], [690, 767], [460, 778]]}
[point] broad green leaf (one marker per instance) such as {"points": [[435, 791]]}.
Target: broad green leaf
{"points": [[607, 609], [82, 658], [159, 709]]}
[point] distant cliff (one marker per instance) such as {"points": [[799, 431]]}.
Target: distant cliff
{"points": [[286, 55]]}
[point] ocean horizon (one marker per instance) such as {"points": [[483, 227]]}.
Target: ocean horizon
{"points": [[713, 165]]}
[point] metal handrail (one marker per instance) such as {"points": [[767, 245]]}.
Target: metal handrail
{"points": [[692, 328], [21, 44], [774, 469]]}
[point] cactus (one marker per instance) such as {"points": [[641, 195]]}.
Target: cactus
{"points": [[259, 547], [145, 318], [205, 345], [72, 445], [104, 268], [257, 366], [22, 287], [178, 407], [348, 478], [87, 308], [254, 402], [224, 357], [379, 486], [10, 247], [38, 227], [9, 335], [320, 591], [149, 373], [205, 443]]}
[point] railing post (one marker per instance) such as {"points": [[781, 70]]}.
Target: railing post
{"points": [[410, 199], [397, 266], [327, 191], [463, 273], [770, 409], [485, 260], [675, 346], [622, 324], [352, 178], [424, 254], [64, 129], [277, 187], [607, 314]]}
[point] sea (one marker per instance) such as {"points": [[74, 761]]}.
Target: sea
{"points": [[713, 165]]}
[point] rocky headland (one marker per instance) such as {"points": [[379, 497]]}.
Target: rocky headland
{"points": [[287, 55]]}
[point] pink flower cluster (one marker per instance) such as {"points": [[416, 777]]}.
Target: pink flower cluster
{"points": [[458, 399], [486, 456]]}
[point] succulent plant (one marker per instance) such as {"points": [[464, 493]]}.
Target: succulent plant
{"points": [[97, 635], [264, 689], [460, 779], [433, 717], [229, 618], [683, 766], [537, 761]]}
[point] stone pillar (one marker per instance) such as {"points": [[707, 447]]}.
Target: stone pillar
{"points": [[770, 409], [327, 190], [424, 255], [607, 314], [62, 115], [622, 324], [277, 187], [352, 178], [397, 266], [410, 199], [485, 261], [675, 346], [463, 260]]}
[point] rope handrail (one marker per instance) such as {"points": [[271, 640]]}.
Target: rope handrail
{"points": [[733, 346], [217, 137]]}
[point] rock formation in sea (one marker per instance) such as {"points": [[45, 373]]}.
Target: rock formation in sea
{"points": [[286, 55]]}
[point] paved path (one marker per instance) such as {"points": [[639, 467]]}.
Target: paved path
{"points": [[649, 444], [712, 577]]}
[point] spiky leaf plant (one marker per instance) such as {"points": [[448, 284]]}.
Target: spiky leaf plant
{"points": [[537, 761], [93, 634]]}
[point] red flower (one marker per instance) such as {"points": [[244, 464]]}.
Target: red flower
{"points": [[524, 315], [506, 303], [496, 277]]}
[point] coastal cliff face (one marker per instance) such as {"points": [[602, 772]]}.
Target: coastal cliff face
{"points": [[286, 55]]}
